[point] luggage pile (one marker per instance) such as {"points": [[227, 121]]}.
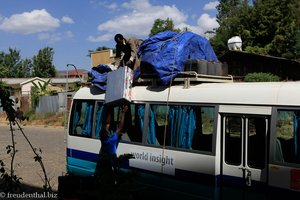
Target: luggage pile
{"points": [[168, 53]]}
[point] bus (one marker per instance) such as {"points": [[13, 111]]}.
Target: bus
{"points": [[211, 140]]}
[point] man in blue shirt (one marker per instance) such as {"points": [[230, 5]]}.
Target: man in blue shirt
{"points": [[110, 139], [109, 142]]}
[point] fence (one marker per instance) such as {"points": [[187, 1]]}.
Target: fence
{"points": [[48, 104], [51, 104]]}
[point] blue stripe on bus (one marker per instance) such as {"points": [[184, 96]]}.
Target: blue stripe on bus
{"points": [[83, 155], [80, 167], [84, 163]]}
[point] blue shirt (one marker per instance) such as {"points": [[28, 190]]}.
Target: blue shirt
{"points": [[109, 144]]}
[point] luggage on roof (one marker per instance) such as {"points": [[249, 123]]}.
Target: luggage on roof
{"points": [[166, 53]]}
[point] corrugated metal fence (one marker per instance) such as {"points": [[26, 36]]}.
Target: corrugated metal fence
{"points": [[51, 104], [48, 104]]}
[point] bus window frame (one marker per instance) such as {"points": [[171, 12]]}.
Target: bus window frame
{"points": [[70, 130], [273, 137], [94, 119], [146, 124], [214, 130]]}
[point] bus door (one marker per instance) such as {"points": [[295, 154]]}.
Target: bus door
{"points": [[244, 149]]}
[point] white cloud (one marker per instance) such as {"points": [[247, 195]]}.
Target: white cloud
{"points": [[204, 23], [139, 20], [137, 4], [30, 22], [211, 5], [55, 37], [140, 15], [107, 4], [67, 20], [207, 23], [101, 38], [112, 6]]}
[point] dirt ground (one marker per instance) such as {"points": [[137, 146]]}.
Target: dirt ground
{"points": [[50, 142]]}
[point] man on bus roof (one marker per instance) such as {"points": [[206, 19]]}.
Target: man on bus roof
{"points": [[127, 46]]}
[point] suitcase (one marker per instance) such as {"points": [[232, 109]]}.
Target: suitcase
{"points": [[119, 86]]}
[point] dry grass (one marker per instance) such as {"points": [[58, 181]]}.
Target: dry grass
{"points": [[54, 119]]}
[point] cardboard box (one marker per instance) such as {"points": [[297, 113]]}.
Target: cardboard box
{"points": [[119, 86]]}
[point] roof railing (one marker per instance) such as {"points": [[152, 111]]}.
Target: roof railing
{"points": [[187, 78]]}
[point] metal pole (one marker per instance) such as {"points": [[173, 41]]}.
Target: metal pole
{"points": [[76, 71], [66, 103]]}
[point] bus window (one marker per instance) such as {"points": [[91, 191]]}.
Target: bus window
{"points": [[82, 118], [233, 140], [99, 117], [287, 145], [133, 124], [204, 128], [256, 142], [186, 127]]}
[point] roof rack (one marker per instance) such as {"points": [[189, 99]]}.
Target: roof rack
{"points": [[188, 77]]}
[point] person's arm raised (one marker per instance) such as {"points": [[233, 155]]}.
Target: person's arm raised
{"points": [[121, 124]]}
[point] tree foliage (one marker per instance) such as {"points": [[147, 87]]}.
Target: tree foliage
{"points": [[161, 25], [42, 63], [269, 27], [5, 102], [42, 89], [24, 69], [10, 63], [13, 66], [261, 77], [38, 90], [3, 67]]}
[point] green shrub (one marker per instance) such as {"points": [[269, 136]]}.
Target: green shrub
{"points": [[261, 77]]}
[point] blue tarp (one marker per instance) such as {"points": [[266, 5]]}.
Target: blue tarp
{"points": [[167, 52], [98, 75]]}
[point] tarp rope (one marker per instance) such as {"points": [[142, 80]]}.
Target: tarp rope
{"points": [[167, 117]]}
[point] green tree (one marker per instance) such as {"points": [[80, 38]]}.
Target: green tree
{"points": [[3, 67], [161, 25], [9, 63], [24, 69], [42, 89], [232, 17], [276, 27], [39, 90], [12, 60], [270, 27], [42, 63]]}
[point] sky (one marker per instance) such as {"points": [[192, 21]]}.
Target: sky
{"points": [[73, 27]]}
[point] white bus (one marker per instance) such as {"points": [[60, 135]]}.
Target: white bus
{"points": [[244, 135]]}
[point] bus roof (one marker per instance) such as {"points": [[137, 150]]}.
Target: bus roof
{"points": [[242, 93]]}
